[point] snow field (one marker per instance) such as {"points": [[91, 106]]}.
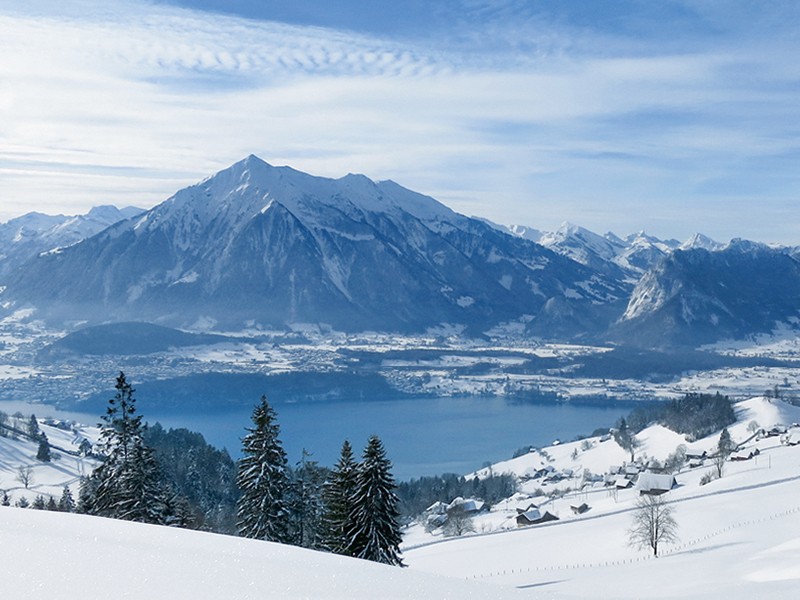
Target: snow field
{"points": [[104, 558], [739, 536], [48, 479]]}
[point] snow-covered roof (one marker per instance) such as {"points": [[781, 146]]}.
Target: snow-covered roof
{"points": [[437, 507], [468, 504], [649, 482]]}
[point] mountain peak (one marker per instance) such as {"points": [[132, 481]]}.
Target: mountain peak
{"points": [[698, 240]]}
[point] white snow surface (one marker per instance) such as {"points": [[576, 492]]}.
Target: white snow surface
{"points": [[104, 558], [739, 536], [48, 479]]}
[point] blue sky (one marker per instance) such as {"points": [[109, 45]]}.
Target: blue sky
{"points": [[671, 117]]}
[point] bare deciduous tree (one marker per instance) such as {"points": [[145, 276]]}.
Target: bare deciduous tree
{"points": [[653, 524], [25, 475], [459, 522]]}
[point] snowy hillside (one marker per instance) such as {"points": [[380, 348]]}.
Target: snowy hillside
{"points": [[34, 233], [48, 553], [47, 479], [696, 296], [739, 535]]}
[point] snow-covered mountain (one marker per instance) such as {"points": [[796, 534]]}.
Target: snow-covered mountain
{"points": [[696, 296], [271, 245], [698, 240], [257, 244], [643, 252], [633, 255], [587, 248], [34, 233]]}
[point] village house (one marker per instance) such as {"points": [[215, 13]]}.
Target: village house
{"points": [[655, 484], [535, 516], [579, 509], [744, 454]]}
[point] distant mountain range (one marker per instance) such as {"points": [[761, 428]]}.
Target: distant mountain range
{"points": [[257, 244], [34, 233]]}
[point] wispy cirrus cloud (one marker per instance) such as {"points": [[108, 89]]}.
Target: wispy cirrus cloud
{"points": [[515, 112]]}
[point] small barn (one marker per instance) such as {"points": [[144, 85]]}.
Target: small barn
{"points": [[746, 454], [623, 483], [468, 505], [791, 437], [579, 509], [525, 507], [535, 516], [655, 484]]}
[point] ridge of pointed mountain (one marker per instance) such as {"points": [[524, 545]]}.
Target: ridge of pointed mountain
{"points": [[34, 233], [699, 240], [697, 296], [271, 245]]}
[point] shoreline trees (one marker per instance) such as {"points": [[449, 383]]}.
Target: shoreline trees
{"points": [[127, 484], [359, 515]]}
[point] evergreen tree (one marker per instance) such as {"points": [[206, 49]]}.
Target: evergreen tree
{"points": [[39, 503], [6, 499], [199, 474], [374, 532], [86, 493], [263, 480], [625, 437], [66, 503], [33, 427], [725, 445], [134, 491], [52, 505], [127, 484], [43, 454], [336, 495], [178, 511], [725, 448], [305, 503]]}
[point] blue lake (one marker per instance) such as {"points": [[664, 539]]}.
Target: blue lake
{"points": [[424, 436]]}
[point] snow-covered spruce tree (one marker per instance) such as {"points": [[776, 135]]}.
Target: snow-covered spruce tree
{"points": [[86, 492], [263, 480], [43, 453], [66, 503], [725, 447], [373, 530], [127, 484], [33, 427], [305, 504], [336, 496]]}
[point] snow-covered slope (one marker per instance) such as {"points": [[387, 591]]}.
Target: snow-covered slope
{"points": [[47, 478], [739, 535], [47, 553], [34, 233], [696, 296], [586, 247]]}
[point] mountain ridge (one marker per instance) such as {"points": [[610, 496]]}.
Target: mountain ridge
{"points": [[257, 243]]}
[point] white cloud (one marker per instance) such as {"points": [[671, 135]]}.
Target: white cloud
{"points": [[128, 102]]}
